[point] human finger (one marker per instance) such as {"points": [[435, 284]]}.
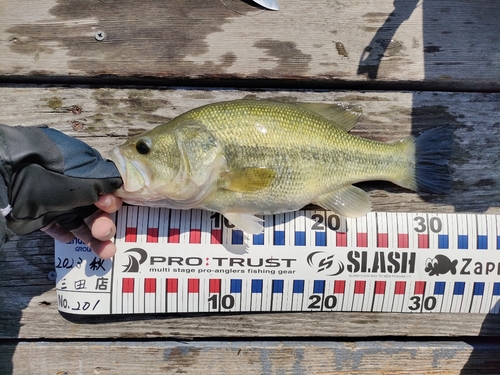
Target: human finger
{"points": [[103, 249], [101, 226], [109, 203]]}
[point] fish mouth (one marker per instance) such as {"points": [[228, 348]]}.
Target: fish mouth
{"points": [[132, 173]]}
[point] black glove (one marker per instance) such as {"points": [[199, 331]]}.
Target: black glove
{"points": [[47, 177]]}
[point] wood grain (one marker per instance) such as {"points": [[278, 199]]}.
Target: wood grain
{"points": [[452, 45], [243, 357], [448, 50]]}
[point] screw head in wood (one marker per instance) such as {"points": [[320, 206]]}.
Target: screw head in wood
{"points": [[52, 275], [100, 35]]}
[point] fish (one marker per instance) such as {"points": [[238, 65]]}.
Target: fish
{"points": [[247, 157], [440, 265]]}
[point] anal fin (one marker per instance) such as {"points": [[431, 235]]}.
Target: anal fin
{"points": [[349, 201]]}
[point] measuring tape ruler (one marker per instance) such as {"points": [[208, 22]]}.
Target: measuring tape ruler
{"points": [[173, 261]]}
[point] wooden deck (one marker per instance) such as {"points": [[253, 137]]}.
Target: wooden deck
{"points": [[102, 70]]}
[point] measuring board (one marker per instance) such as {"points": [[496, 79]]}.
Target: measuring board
{"points": [[173, 261]]}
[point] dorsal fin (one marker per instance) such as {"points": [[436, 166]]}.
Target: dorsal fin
{"points": [[342, 116]]}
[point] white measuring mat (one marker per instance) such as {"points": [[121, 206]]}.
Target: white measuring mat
{"points": [[172, 261]]}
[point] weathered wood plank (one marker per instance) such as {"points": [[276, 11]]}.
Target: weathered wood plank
{"points": [[452, 45], [28, 310], [242, 357], [315, 43], [105, 117]]}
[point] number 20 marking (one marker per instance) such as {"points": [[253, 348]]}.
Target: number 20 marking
{"points": [[332, 221], [329, 302]]}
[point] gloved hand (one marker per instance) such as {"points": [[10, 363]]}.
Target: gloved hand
{"points": [[48, 179]]}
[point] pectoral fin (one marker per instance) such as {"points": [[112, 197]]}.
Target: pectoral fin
{"points": [[247, 180], [349, 202], [342, 116], [246, 222]]}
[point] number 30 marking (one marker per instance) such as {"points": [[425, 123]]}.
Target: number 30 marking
{"points": [[429, 303]]}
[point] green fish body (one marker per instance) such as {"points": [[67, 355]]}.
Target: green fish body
{"points": [[248, 157]]}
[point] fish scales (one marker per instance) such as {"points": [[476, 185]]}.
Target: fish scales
{"points": [[248, 157], [297, 143]]}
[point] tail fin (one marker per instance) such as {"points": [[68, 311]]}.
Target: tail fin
{"points": [[433, 150]]}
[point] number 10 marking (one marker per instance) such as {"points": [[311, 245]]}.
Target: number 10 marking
{"points": [[226, 302]]}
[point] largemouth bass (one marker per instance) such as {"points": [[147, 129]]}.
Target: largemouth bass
{"points": [[247, 157]]}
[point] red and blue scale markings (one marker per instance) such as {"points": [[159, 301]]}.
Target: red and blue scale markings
{"points": [[283, 234], [318, 287]]}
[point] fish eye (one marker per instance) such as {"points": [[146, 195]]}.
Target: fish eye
{"points": [[143, 146]]}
